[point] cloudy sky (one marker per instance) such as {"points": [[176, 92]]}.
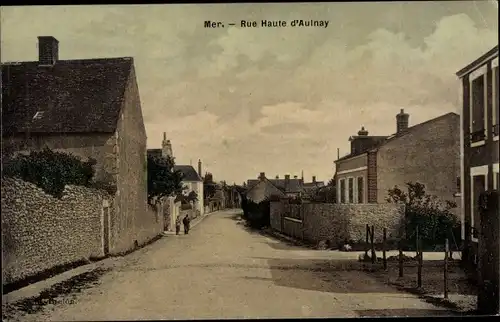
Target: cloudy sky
{"points": [[278, 100]]}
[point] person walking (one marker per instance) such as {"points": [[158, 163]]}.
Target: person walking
{"points": [[186, 221], [177, 225]]}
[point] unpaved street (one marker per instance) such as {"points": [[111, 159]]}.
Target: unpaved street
{"points": [[222, 270]]}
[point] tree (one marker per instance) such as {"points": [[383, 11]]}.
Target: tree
{"points": [[192, 197], [433, 216], [162, 179], [209, 186]]}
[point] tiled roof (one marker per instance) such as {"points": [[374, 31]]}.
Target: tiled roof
{"points": [[70, 96], [188, 172], [262, 190], [294, 185]]}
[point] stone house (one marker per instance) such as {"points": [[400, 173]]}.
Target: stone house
{"points": [[263, 189], [90, 108], [193, 182], [479, 129], [427, 153]]}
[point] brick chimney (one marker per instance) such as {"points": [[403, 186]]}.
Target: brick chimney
{"points": [[262, 176], [48, 50], [314, 179], [402, 121], [199, 167]]}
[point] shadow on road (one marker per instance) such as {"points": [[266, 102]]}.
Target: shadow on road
{"points": [[405, 313], [335, 276]]}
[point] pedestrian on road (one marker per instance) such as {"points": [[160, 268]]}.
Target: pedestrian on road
{"points": [[186, 221], [177, 225]]}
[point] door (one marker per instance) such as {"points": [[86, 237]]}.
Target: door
{"points": [[106, 230]]}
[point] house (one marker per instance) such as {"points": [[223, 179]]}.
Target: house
{"points": [[90, 108], [427, 153], [311, 187], [193, 181], [262, 189], [479, 141], [291, 187]]}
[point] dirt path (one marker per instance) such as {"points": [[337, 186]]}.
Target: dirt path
{"points": [[222, 270]]}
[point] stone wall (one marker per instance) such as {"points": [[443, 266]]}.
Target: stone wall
{"points": [[338, 222], [40, 232]]}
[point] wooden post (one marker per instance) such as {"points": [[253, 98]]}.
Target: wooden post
{"points": [[366, 243], [400, 244], [384, 240], [447, 249], [374, 255], [419, 257]]}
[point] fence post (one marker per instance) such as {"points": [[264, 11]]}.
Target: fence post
{"points": [[374, 255], [447, 249], [366, 243], [419, 257], [384, 240], [400, 244]]}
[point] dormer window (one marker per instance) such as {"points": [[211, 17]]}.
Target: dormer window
{"points": [[38, 115]]}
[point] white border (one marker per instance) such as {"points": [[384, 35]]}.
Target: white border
{"points": [[352, 170], [476, 171]]}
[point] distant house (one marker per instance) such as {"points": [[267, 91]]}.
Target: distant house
{"points": [[193, 181], [427, 153], [90, 108], [262, 189], [311, 187], [291, 187], [479, 141]]}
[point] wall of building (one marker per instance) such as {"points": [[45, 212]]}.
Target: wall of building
{"points": [[100, 146], [336, 222], [429, 154], [196, 186], [352, 163], [40, 232], [134, 221]]}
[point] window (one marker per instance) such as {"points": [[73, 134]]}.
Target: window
{"points": [[477, 113], [38, 115], [361, 190], [459, 184], [496, 179], [351, 190], [342, 191], [478, 187]]}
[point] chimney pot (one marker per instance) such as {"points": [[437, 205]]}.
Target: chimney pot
{"points": [[277, 177], [295, 177], [48, 50], [164, 136], [314, 179], [262, 175]]}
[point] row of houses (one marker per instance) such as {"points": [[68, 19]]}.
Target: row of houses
{"points": [[261, 188]]}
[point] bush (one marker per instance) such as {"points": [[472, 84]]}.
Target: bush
{"points": [[432, 216], [50, 170]]}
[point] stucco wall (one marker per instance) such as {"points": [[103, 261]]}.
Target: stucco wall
{"points": [[429, 155], [337, 222], [40, 231], [352, 163]]}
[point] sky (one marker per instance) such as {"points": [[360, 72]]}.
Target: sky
{"points": [[273, 100]]}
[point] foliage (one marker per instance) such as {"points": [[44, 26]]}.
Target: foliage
{"points": [[162, 179], [325, 194], [209, 186], [51, 170], [433, 216], [192, 197], [258, 215]]}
